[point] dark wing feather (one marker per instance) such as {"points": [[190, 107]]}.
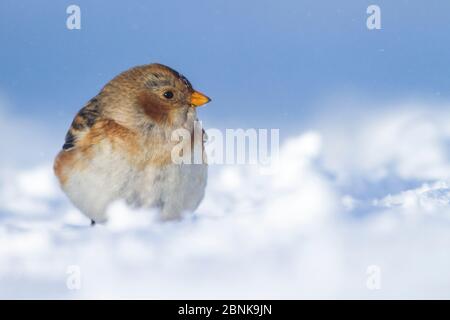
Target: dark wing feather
{"points": [[83, 121]]}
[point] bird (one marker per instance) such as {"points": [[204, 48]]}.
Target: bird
{"points": [[120, 145]]}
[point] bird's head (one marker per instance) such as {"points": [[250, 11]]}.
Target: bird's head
{"points": [[157, 92]]}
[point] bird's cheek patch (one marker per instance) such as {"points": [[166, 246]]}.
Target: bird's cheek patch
{"points": [[153, 107]]}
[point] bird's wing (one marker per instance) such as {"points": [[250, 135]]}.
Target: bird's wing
{"points": [[88, 129], [85, 119]]}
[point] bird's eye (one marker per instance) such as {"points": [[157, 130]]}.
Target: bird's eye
{"points": [[168, 94]]}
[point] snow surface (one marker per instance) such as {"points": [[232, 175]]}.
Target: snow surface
{"points": [[344, 198]]}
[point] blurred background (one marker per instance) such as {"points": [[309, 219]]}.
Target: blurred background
{"points": [[265, 64], [364, 123]]}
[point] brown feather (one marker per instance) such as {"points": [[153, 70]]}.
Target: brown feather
{"points": [[154, 108]]}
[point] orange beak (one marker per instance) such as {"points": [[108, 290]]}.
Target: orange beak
{"points": [[198, 99]]}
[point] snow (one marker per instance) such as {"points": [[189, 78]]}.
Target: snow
{"points": [[345, 201]]}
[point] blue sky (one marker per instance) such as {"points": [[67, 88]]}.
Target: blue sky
{"points": [[265, 63]]}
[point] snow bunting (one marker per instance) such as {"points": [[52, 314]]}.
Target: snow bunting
{"points": [[119, 146]]}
